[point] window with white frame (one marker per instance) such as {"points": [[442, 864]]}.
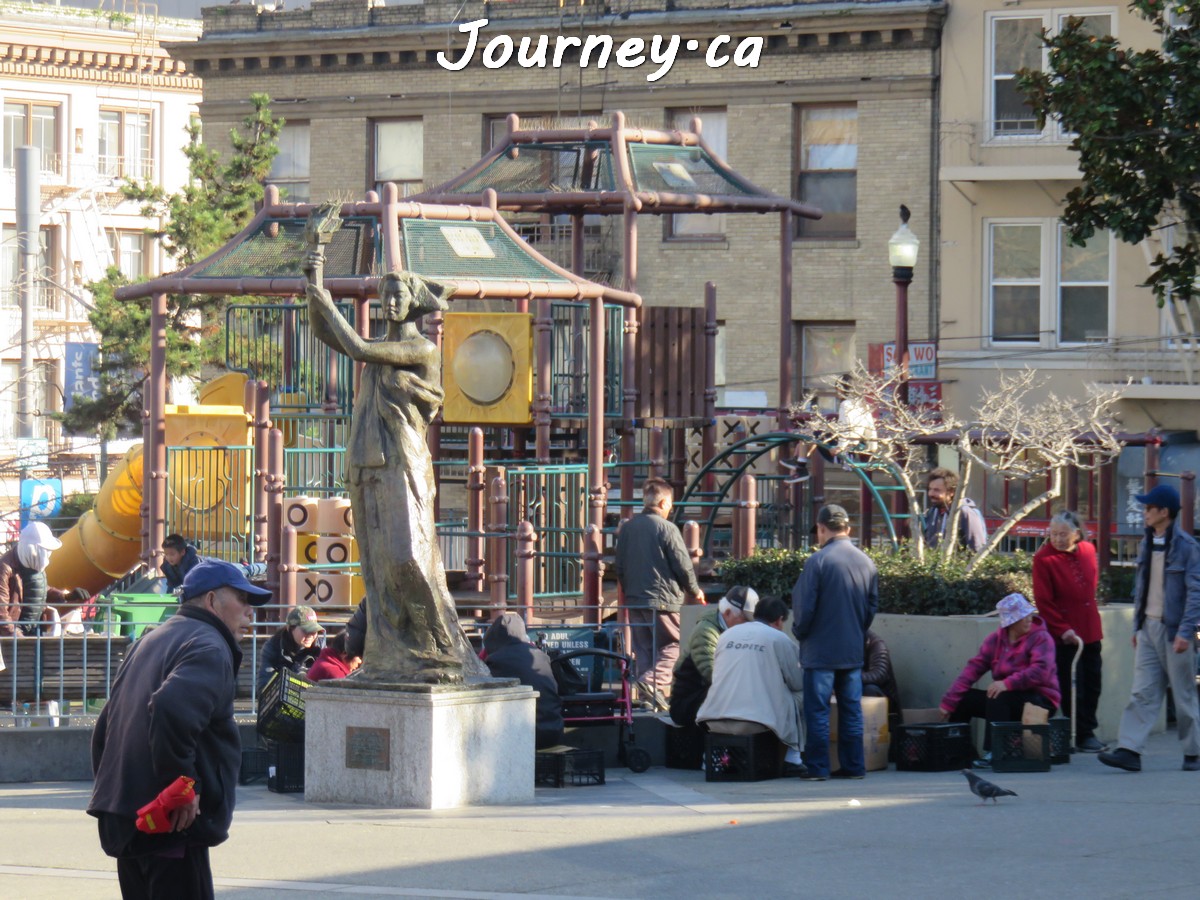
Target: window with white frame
{"points": [[130, 250], [827, 350], [27, 123], [400, 155], [44, 295], [290, 168], [44, 396], [1045, 290], [1016, 44], [124, 144], [827, 169], [696, 226]]}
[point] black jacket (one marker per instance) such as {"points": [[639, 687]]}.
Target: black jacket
{"points": [[878, 673], [282, 652], [509, 654], [652, 563], [175, 574], [170, 713]]}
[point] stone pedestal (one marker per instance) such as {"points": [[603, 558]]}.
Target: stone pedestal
{"points": [[419, 746]]}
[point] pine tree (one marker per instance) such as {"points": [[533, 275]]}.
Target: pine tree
{"points": [[218, 200]]}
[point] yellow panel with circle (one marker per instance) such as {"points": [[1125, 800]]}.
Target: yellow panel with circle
{"points": [[487, 368]]}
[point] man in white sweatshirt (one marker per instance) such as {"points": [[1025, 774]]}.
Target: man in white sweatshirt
{"points": [[757, 682]]}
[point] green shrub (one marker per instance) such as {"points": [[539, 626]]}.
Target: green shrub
{"points": [[906, 586]]}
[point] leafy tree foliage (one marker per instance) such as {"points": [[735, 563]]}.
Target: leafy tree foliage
{"points": [[1136, 117], [218, 200]]}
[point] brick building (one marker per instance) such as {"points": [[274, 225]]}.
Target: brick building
{"points": [[838, 112]]}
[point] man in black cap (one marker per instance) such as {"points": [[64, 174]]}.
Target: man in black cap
{"points": [[833, 603], [170, 714], [1166, 613]]}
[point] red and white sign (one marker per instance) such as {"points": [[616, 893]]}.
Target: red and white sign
{"points": [[922, 359]]}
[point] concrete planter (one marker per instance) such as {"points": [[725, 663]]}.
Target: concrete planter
{"points": [[928, 652]]}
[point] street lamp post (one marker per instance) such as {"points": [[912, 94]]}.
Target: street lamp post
{"points": [[902, 254]]}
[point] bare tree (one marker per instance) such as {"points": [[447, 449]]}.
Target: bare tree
{"points": [[1019, 430]]}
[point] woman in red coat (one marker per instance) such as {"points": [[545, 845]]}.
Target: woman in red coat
{"points": [[1064, 587], [335, 660]]}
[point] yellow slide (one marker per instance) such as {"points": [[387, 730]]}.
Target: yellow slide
{"points": [[106, 542]]}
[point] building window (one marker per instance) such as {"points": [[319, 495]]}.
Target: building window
{"points": [[290, 169], [400, 156], [45, 294], [827, 170], [696, 226], [1042, 289], [44, 397], [130, 253], [1016, 43], [124, 148], [36, 125], [827, 350]]}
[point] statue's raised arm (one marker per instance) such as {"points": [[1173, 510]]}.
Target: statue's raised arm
{"points": [[413, 631]]}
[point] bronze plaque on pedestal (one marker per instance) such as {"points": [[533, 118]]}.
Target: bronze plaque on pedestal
{"points": [[368, 748]]}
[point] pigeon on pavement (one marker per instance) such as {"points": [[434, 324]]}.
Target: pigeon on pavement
{"points": [[984, 789]]}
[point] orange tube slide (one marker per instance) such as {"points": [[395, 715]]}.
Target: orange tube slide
{"points": [[106, 542]]}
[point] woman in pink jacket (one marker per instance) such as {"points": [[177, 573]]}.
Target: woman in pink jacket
{"points": [[1020, 657]]}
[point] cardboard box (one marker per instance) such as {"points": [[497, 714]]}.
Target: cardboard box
{"points": [[876, 738]]}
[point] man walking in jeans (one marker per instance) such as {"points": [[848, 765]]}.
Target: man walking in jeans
{"points": [[1166, 611], [655, 573], [834, 602]]}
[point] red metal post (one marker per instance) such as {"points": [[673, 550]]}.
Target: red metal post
{"points": [[745, 517], [543, 327], [476, 487], [262, 425], [708, 434], [1105, 517], [1151, 466], [597, 486], [526, 554], [785, 318], [657, 463], [275, 485], [155, 454], [496, 565], [593, 593], [288, 568], [691, 540]]}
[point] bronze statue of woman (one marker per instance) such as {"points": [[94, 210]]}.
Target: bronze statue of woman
{"points": [[413, 632]]}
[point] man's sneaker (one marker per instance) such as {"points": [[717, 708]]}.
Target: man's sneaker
{"points": [[794, 770], [1122, 759], [849, 776], [810, 775], [984, 762], [1191, 764], [799, 471], [1089, 744], [651, 697]]}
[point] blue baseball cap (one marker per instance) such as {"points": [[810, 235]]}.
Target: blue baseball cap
{"points": [[1163, 496], [211, 574]]}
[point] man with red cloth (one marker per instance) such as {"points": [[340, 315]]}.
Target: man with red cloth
{"points": [[170, 714], [1065, 577]]}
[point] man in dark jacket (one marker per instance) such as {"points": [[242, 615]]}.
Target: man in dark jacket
{"points": [[655, 573], [170, 713], [834, 602], [940, 488], [509, 654], [879, 679], [179, 558], [1166, 613], [295, 646]]}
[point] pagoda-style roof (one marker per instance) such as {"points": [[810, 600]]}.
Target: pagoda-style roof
{"points": [[472, 247], [606, 170]]}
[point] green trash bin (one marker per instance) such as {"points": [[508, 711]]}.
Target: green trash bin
{"points": [[134, 613]]}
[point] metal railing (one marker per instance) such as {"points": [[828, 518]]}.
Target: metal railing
{"points": [[1146, 359]]}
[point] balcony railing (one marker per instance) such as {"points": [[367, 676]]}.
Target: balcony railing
{"points": [[1147, 360], [961, 142], [138, 167]]}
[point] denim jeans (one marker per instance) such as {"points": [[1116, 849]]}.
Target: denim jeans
{"points": [[819, 686]]}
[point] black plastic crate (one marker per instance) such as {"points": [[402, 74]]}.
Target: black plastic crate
{"points": [[281, 707], [1020, 748], [285, 768], [684, 747], [742, 757], [933, 747], [1060, 740], [254, 765], [561, 766]]}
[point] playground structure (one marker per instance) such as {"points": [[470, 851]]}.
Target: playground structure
{"points": [[587, 373]]}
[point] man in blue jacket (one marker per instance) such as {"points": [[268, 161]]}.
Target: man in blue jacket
{"points": [[170, 713], [833, 603], [1166, 611]]}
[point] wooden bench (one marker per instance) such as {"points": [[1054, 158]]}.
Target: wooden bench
{"points": [[71, 667]]}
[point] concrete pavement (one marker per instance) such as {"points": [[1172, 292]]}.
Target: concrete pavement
{"points": [[1081, 830]]}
